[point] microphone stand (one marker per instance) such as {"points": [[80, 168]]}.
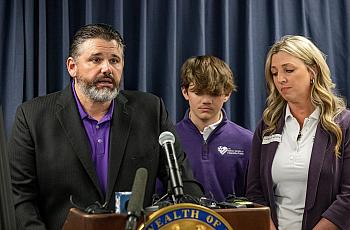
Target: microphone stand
{"points": [[167, 140], [168, 195]]}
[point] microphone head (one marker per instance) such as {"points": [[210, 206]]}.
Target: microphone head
{"points": [[138, 191], [166, 137]]}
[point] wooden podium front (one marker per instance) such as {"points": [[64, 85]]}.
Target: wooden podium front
{"points": [[257, 218], [78, 220]]}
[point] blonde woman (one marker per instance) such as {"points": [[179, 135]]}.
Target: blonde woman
{"points": [[300, 160]]}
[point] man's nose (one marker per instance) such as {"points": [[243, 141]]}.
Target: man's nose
{"points": [[106, 67]]}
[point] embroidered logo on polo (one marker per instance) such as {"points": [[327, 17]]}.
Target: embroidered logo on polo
{"points": [[227, 150]]}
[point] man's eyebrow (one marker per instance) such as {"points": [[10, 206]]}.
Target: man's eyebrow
{"points": [[116, 55], [100, 54], [96, 54]]}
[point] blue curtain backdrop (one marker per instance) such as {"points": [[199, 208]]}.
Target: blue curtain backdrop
{"points": [[7, 218], [160, 36]]}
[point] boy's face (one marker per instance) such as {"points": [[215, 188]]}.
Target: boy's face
{"points": [[205, 109]]}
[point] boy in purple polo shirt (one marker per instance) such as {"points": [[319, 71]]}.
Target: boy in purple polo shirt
{"points": [[217, 148]]}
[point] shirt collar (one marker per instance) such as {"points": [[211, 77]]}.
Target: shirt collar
{"points": [[211, 127], [314, 115], [214, 125]]}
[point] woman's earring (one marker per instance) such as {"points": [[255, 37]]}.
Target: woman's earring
{"points": [[312, 81]]}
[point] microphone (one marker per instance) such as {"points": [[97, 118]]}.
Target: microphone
{"points": [[135, 205], [167, 140]]}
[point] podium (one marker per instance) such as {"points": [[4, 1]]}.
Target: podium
{"points": [[257, 218]]}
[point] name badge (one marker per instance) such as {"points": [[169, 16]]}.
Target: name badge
{"points": [[272, 138]]}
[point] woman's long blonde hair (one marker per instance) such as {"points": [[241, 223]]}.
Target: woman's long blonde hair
{"points": [[322, 91]]}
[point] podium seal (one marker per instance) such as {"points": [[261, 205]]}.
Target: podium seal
{"points": [[185, 216]]}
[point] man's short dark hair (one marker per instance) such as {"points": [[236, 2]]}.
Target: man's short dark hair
{"points": [[102, 31]]}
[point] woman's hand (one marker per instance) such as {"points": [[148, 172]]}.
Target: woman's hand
{"points": [[272, 225]]}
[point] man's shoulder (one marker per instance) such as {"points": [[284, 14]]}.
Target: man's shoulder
{"points": [[136, 93], [42, 101], [39, 108], [135, 96]]}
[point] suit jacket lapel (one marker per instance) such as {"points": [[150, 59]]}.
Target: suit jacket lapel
{"points": [[321, 142], [119, 135], [68, 116], [271, 151]]}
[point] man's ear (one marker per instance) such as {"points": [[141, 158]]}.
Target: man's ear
{"points": [[184, 93], [71, 67]]}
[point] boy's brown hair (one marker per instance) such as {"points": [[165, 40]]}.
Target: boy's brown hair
{"points": [[208, 74]]}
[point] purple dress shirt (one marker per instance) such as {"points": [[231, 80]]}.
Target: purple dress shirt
{"points": [[98, 133]]}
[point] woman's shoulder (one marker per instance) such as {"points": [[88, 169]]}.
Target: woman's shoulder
{"points": [[345, 114], [343, 118]]}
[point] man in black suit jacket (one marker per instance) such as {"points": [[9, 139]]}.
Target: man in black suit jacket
{"points": [[56, 145]]}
